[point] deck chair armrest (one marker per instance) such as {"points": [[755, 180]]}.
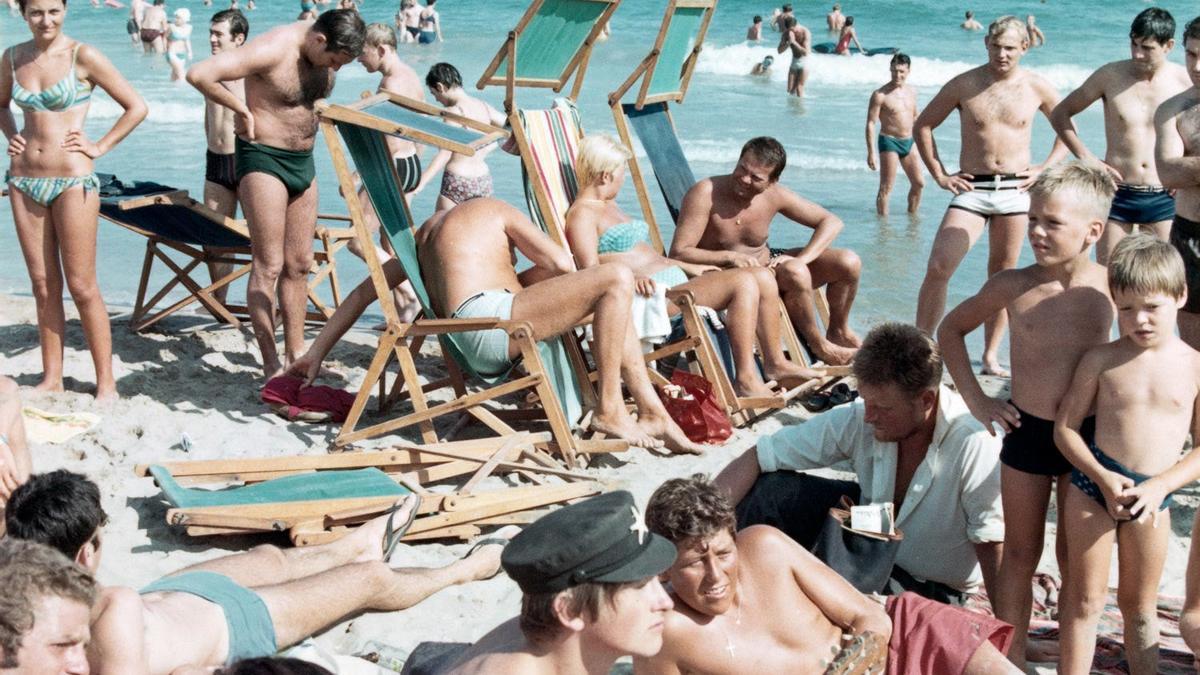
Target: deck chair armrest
{"points": [[681, 297], [334, 216], [335, 232]]}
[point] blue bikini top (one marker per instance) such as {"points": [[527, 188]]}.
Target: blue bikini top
{"points": [[623, 236], [64, 94], [178, 33]]}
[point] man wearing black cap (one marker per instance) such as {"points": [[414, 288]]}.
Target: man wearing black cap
{"points": [[589, 577]]}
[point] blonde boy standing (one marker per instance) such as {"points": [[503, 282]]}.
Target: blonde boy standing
{"points": [[1059, 308], [1144, 388]]}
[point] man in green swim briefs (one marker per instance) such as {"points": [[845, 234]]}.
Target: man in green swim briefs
{"points": [[285, 71], [894, 107], [233, 607]]}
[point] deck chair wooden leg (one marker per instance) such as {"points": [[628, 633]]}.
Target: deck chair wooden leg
{"points": [[560, 427]]}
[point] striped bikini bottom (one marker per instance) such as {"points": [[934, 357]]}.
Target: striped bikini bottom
{"points": [[45, 189]]}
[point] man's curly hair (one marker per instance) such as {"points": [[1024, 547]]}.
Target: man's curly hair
{"points": [[689, 508]]}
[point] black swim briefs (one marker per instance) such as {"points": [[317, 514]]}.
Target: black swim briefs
{"points": [[1185, 237], [1030, 448], [408, 170], [221, 169], [294, 168]]}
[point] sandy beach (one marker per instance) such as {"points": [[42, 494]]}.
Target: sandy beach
{"points": [[198, 379]]}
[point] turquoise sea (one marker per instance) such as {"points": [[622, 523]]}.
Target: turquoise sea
{"points": [[823, 135]]}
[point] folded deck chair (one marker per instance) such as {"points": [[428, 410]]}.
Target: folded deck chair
{"points": [[315, 498], [174, 223], [363, 127]]}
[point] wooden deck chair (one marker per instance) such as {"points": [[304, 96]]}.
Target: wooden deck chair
{"points": [[363, 127], [184, 236], [315, 499]]}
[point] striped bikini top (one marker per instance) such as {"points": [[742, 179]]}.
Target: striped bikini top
{"points": [[64, 94], [623, 236]]}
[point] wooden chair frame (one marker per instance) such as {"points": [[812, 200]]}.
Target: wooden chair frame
{"points": [[146, 311], [646, 69]]}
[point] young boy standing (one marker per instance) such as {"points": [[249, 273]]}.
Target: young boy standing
{"points": [[1059, 308], [1144, 389]]}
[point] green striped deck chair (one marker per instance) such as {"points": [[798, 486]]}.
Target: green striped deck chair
{"points": [[552, 41], [362, 127], [666, 71]]}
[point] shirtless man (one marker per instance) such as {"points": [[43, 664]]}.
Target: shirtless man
{"points": [[153, 28], [379, 56], [798, 39], [725, 221], [1036, 37], [971, 23], [236, 606], [137, 9], [285, 71], [757, 602], [1177, 157], [834, 20], [227, 31], [894, 107], [1131, 90], [467, 255], [410, 15], [754, 32], [777, 19], [590, 594], [463, 177], [997, 103], [44, 617]]}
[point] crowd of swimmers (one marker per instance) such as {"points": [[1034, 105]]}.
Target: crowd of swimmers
{"points": [[1099, 424]]}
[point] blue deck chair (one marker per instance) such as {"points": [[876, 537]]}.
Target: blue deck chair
{"points": [[174, 223], [363, 127]]}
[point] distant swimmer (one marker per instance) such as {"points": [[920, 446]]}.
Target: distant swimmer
{"points": [[754, 32], [1131, 89], [308, 11], [430, 24], [894, 107], [781, 15], [227, 30], [137, 9], [971, 23], [179, 43], [835, 20], [408, 21], [764, 66], [154, 27], [849, 34], [798, 40], [997, 103], [1036, 37], [1177, 123]]}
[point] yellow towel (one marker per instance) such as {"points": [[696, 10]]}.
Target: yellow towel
{"points": [[48, 427]]}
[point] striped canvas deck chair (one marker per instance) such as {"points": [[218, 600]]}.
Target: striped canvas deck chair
{"points": [[183, 235], [316, 498], [359, 129]]}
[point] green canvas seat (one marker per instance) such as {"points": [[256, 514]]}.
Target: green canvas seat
{"points": [[318, 485]]}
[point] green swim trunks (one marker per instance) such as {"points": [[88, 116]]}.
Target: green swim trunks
{"points": [[251, 631], [295, 169], [900, 146]]}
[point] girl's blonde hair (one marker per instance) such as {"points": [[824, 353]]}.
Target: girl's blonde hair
{"points": [[598, 154]]}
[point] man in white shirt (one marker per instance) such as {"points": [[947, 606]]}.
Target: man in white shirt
{"points": [[910, 441]]}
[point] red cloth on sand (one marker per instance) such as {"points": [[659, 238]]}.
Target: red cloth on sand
{"points": [[931, 637], [290, 391]]}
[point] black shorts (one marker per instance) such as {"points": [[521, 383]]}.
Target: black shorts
{"points": [[221, 170], [1185, 237], [1030, 447], [408, 170]]}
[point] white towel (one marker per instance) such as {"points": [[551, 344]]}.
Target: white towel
{"points": [[651, 321]]}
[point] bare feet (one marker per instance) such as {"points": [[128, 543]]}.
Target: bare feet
{"points": [[367, 539], [834, 354], [625, 428], [50, 384], [665, 429], [107, 392], [993, 367], [752, 386], [845, 337], [790, 375]]}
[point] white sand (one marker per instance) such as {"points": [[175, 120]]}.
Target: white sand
{"points": [[203, 381]]}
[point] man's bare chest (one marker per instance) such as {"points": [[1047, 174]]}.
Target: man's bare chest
{"points": [[292, 85], [1010, 105]]}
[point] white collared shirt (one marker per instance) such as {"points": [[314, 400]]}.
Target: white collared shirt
{"points": [[953, 500]]}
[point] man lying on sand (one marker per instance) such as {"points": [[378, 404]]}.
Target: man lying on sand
{"points": [[237, 606], [756, 602], [467, 255], [590, 593]]}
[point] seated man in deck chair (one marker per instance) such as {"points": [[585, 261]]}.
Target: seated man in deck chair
{"points": [[237, 606], [724, 221], [467, 255]]}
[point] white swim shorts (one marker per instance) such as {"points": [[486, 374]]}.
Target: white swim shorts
{"points": [[995, 195]]}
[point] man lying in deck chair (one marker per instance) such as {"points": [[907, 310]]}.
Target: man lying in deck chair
{"points": [[237, 606], [467, 254]]}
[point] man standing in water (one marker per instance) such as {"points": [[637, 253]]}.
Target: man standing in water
{"points": [[997, 103], [226, 32], [1131, 90], [894, 107], [1177, 157], [137, 9], [285, 71]]}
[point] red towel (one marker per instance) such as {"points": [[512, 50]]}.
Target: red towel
{"points": [[289, 391]]}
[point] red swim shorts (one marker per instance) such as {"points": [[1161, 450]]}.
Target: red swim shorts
{"points": [[931, 637]]}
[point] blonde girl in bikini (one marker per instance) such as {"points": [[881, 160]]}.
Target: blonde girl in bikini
{"points": [[52, 188]]}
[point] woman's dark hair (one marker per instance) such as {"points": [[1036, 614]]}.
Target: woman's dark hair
{"points": [[344, 31], [443, 74]]}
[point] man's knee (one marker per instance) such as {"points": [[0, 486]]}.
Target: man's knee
{"points": [[846, 262], [764, 280], [298, 266], [615, 278], [794, 275], [1086, 603], [940, 268]]}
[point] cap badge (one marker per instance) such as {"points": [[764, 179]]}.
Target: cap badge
{"points": [[639, 524]]}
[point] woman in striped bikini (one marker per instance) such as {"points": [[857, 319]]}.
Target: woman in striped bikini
{"points": [[53, 191]]}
